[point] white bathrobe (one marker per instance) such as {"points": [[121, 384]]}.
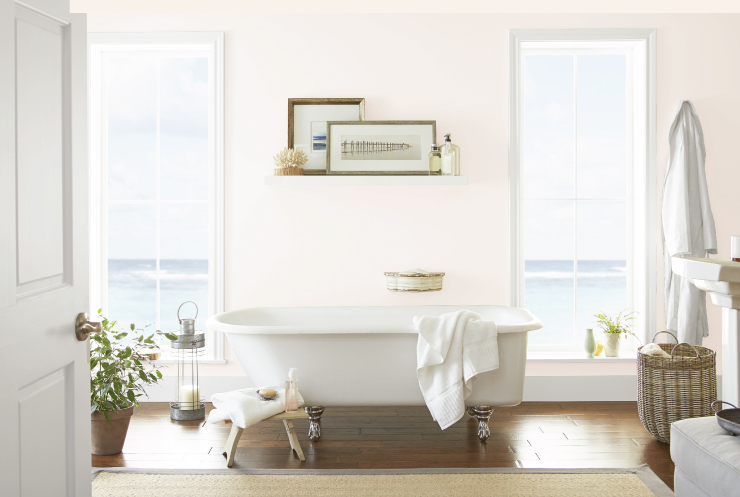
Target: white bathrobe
{"points": [[452, 349], [688, 224]]}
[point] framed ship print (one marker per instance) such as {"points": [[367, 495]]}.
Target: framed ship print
{"points": [[379, 147]]}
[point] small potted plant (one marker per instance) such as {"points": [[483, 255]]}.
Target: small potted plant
{"points": [[613, 328], [289, 162], [117, 380]]}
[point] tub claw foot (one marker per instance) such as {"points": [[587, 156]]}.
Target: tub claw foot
{"points": [[314, 422], [483, 414]]}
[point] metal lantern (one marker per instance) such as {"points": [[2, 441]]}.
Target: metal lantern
{"points": [[190, 344]]}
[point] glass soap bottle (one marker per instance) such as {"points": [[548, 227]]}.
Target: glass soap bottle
{"points": [[450, 157], [291, 391], [435, 161]]}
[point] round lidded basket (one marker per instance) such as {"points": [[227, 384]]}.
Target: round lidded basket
{"points": [[414, 280], [288, 171], [671, 389]]}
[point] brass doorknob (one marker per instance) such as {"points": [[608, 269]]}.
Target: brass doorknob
{"points": [[83, 326]]}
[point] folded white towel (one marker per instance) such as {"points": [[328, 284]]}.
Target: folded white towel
{"points": [[452, 349], [654, 350], [245, 408]]}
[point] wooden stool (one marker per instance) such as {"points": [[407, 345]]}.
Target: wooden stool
{"points": [[286, 417]]}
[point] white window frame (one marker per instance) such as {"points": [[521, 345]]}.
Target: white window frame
{"points": [[639, 45], [210, 44]]}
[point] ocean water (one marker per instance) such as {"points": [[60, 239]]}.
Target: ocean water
{"points": [[132, 292], [550, 294]]}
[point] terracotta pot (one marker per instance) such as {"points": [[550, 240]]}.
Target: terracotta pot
{"points": [[612, 344], [108, 438]]}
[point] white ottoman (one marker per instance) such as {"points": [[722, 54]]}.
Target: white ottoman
{"points": [[707, 459]]}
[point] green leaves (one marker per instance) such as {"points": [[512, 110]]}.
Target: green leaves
{"points": [[621, 323], [117, 370]]}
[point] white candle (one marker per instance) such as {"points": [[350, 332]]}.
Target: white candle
{"points": [[189, 397], [735, 248]]}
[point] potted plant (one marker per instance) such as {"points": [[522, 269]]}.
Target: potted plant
{"points": [[117, 380], [613, 328]]}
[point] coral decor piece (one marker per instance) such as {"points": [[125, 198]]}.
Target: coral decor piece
{"points": [[289, 162]]}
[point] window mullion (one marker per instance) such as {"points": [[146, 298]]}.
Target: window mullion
{"points": [[158, 208], [575, 201]]}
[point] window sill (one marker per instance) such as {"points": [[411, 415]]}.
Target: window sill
{"points": [[569, 357], [200, 361]]}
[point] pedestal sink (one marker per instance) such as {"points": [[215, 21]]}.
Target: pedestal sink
{"points": [[721, 279]]}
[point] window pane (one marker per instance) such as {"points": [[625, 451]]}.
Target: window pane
{"points": [[131, 264], [602, 261], [548, 269], [184, 263], [184, 128], [132, 128], [602, 126], [549, 126]]}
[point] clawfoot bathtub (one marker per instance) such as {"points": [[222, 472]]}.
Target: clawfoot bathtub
{"points": [[363, 356]]}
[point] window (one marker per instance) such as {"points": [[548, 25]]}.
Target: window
{"points": [[157, 179], [582, 180]]}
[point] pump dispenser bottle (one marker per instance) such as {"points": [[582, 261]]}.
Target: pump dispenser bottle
{"points": [[435, 161], [291, 391], [450, 157]]}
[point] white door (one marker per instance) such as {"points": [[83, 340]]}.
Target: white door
{"points": [[44, 385]]}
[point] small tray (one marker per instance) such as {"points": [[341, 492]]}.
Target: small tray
{"points": [[728, 419], [267, 397]]}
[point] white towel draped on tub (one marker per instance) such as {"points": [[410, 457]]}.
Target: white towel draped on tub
{"points": [[452, 349], [244, 407]]}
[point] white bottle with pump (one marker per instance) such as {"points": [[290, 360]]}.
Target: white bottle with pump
{"points": [[291, 391]]}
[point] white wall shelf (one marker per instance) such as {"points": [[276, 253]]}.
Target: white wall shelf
{"points": [[366, 180]]}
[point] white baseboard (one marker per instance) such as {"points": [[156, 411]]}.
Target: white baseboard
{"points": [[584, 388], [580, 388], [536, 388]]}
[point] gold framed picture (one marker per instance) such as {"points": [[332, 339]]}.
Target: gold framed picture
{"points": [[307, 118]]}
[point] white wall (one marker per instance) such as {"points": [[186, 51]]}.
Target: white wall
{"points": [[312, 246]]}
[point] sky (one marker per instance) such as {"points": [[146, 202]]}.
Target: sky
{"points": [[565, 137], [552, 156], [133, 97]]}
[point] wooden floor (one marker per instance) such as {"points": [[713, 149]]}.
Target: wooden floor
{"points": [[531, 435]]}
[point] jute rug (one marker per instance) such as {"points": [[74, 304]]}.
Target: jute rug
{"points": [[514, 482]]}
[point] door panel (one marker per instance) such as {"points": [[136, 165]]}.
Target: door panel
{"points": [[35, 402], [44, 373], [39, 49]]}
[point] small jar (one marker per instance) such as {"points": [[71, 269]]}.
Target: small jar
{"points": [[435, 161]]}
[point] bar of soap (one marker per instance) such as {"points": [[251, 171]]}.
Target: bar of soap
{"points": [[269, 392]]}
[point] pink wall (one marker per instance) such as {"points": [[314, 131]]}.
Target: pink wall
{"points": [[317, 246]]}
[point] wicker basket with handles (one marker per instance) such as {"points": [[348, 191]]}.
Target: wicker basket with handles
{"points": [[671, 389]]}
